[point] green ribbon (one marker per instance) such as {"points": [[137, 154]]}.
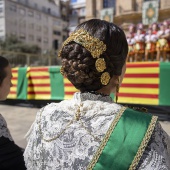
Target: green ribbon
{"points": [[124, 141], [57, 83], [22, 83]]}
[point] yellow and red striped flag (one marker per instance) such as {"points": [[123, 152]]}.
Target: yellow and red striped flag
{"points": [[140, 84]]}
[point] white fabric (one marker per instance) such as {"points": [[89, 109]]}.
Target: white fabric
{"points": [[139, 38], [75, 148], [3, 129], [151, 38], [130, 41]]}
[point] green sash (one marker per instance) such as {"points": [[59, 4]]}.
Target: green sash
{"points": [[124, 142]]}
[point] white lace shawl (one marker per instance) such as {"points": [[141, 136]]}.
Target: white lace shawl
{"points": [[75, 148], [3, 129]]}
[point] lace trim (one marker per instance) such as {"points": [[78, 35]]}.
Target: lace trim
{"points": [[80, 97], [3, 129], [144, 143], [105, 140]]}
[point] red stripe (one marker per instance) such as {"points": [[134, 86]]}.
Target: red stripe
{"points": [[14, 78], [68, 84], [134, 65], [38, 85], [38, 77], [154, 75], [14, 85], [39, 92], [14, 71], [140, 85], [13, 92], [69, 93], [38, 69], [153, 96]]}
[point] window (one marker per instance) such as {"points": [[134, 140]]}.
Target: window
{"points": [[22, 11], [64, 37], [14, 33], [1, 9], [82, 12], [45, 29], [30, 13], [45, 40], [31, 37], [55, 44], [46, 17], [22, 23], [44, 9], [38, 39], [49, 10], [56, 22], [38, 28], [108, 3], [36, 5], [38, 16], [1, 28], [56, 32], [13, 8], [73, 1], [22, 36]]}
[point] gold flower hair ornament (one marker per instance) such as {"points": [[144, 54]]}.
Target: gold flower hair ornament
{"points": [[94, 46]]}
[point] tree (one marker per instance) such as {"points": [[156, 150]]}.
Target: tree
{"points": [[12, 43]]}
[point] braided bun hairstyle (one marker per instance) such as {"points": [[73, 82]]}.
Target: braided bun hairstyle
{"points": [[79, 65]]}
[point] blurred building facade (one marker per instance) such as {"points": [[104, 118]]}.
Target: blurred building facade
{"points": [[77, 13], [33, 22], [125, 12]]}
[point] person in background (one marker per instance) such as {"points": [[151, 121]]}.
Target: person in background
{"points": [[141, 27], [154, 28], [131, 43], [139, 46], [162, 45], [11, 156], [150, 48], [90, 131]]}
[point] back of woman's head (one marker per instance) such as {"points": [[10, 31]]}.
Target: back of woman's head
{"points": [[78, 64], [3, 64]]}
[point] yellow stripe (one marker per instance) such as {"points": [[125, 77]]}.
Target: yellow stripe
{"points": [[15, 68], [66, 80], [14, 82], [68, 89], [39, 96], [143, 70], [12, 96], [141, 80], [13, 88], [39, 81], [36, 89], [15, 75], [145, 62], [66, 97], [138, 100], [139, 90], [42, 73]]}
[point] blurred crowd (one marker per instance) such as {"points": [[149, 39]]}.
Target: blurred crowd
{"points": [[149, 44]]}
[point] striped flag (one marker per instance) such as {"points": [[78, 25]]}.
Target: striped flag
{"points": [[140, 84], [38, 83], [13, 90], [69, 89]]}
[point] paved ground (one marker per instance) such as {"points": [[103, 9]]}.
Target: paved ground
{"points": [[19, 120]]}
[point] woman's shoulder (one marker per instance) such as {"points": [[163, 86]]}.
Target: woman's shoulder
{"points": [[51, 107], [4, 132], [2, 122]]}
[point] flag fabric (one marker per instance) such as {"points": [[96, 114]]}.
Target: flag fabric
{"points": [[144, 83], [140, 84]]}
